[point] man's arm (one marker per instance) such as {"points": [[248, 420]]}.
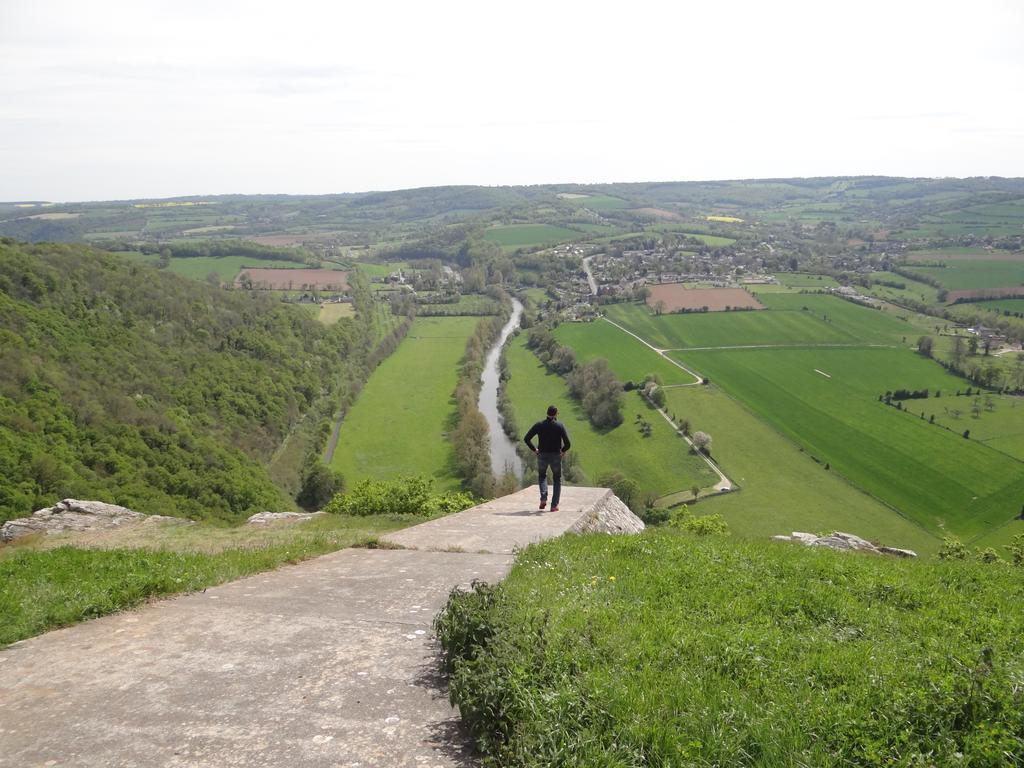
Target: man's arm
{"points": [[529, 436], [565, 440]]}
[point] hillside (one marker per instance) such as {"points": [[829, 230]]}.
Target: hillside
{"points": [[667, 649], [133, 385]]}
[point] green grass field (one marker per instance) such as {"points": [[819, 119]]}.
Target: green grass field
{"points": [[930, 474], [1001, 428], [827, 320], [399, 424], [665, 649], [1001, 305], [329, 314], [914, 290], [802, 280], [969, 274], [600, 202], [781, 488], [512, 236], [629, 359], [661, 463]]}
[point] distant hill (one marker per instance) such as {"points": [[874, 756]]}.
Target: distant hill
{"points": [[366, 218], [131, 385]]}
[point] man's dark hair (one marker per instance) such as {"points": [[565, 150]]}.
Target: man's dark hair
{"points": [[552, 411]]}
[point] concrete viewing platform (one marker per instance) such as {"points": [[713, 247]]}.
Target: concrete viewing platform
{"points": [[326, 663]]}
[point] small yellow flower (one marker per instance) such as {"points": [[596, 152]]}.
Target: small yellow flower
{"points": [[611, 578]]}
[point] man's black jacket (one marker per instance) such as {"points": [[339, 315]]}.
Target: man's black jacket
{"points": [[551, 436]]}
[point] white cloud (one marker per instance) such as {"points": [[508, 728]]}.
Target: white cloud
{"points": [[119, 99]]}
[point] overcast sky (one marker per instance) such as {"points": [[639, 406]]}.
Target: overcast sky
{"points": [[106, 99]]}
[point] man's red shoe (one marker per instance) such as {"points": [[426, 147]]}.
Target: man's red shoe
{"points": [[543, 503], [554, 507]]}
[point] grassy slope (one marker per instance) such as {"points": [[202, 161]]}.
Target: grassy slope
{"points": [[665, 650], [398, 426], [43, 588], [660, 464], [781, 488], [929, 473]]}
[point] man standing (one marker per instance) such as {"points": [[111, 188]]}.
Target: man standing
{"points": [[553, 442]]}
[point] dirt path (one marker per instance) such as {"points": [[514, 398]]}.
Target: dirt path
{"points": [[325, 663]]}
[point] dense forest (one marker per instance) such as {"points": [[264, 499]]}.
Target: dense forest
{"points": [[122, 382]]}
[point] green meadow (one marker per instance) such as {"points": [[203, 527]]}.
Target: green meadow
{"points": [[600, 202], [735, 329], [969, 274], [629, 359], [1001, 305], [802, 280], [660, 464], [782, 489], [399, 424], [512, 236], [826, 400], [226, 268]]}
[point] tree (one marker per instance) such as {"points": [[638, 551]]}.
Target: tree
{"points": [[694, 489], [702, 441], [924, 346], [319, 484], [958, 351], [659, 307]]}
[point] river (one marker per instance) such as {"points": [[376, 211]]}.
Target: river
{"points": [[503, 451]]}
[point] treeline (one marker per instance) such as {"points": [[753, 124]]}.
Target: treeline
{"points": [[218, 249], [593, 384], [471, 439], [138, 387]]}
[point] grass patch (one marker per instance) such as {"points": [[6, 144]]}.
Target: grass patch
{"points": [[512, 236], [329, 314], [629, 359], [668, 650], [399, 424], [660, 464], [50, 583]]}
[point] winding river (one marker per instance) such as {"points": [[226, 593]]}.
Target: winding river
{"points": [[503, 451]]}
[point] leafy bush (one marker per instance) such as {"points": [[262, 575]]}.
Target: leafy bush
{"points": [[405, 496]]}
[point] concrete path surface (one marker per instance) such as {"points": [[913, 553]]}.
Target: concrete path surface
{"points": [[325, 663]]}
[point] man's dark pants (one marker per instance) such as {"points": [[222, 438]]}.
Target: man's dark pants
{"points": [[553, 460]]}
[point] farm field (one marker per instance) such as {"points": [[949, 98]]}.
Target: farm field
{"points": [[993, 219], [198, 268], [1001, 427], [827, 320], [512, 236], [801, 280], [295, 279], [781, 488], [468, 304], [826, 400], [973, 274], [599, 202], [661, 464], [628, 358], [1001, 305], [859, 323], [329, 314], [715, 241], [676, 296], [914, 290], [399, 423]]}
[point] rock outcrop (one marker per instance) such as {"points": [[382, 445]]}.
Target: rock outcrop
{"points": [[76, 515], [261, 518], [610, 515], [845, 541]]}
